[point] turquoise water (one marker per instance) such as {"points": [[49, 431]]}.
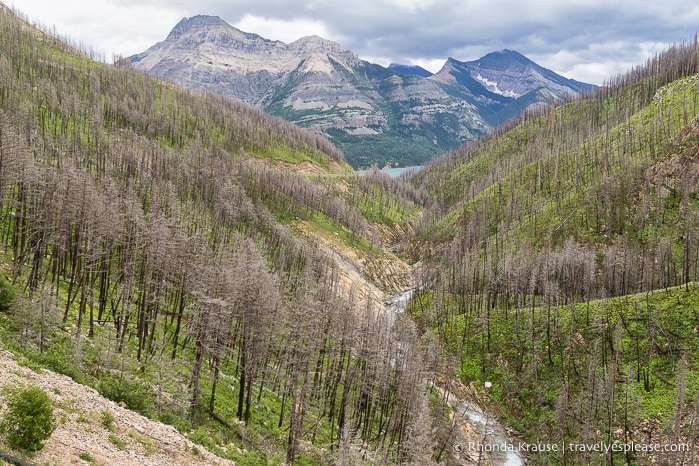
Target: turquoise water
{"points": [[392, 172]]}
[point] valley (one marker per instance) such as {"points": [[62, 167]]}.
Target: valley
{"points": [[192, 280]]}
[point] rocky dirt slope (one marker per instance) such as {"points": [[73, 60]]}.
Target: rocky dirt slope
{"points": [[132, 440]]}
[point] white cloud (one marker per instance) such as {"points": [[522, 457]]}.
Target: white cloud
{"points": [[430, 65], [285, 31], [587, 40], [105, 27], [412, 6]]}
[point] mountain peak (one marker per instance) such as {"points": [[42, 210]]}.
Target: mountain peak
{"points": [[196, 22], [508, 53], [315, 44], [413, 70], [505, 59], [313, 39], [509, 74]]}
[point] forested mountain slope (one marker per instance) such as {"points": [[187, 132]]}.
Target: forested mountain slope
{"points": [[614, 172], [545, 235], [172, 251], [222, 271]]}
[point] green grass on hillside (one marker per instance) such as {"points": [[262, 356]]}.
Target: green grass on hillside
{"points": [[582, 371]]}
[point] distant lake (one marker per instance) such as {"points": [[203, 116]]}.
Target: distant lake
{"points": [[393, 172]]}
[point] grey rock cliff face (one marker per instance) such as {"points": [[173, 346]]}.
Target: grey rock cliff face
{"points": [[374, 114]]}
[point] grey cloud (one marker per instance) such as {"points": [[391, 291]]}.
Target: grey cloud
{"points": [[598, 33]]}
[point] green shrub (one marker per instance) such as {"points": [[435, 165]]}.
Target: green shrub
{"points": [[182, 424], [59, 356], [85, 456], [135, 394], [29, 420], [7, 295], [107, 420], [117, 442]]}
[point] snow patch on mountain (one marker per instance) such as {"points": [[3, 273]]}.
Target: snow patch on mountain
{"points": [[492, 86]]}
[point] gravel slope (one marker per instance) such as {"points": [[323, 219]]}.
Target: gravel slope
{"points": [[78, 409]]}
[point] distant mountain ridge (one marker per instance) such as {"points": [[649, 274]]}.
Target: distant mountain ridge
{"points": [[410, 69], [517, 75], [401, 115]]}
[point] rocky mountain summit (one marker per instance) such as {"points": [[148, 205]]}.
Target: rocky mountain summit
{"points": [[511, 74], [399, 115]]}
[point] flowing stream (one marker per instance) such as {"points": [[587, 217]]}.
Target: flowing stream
{"points": [[493, 437]]}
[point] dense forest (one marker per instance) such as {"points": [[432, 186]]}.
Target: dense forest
{"points": [[225, 272]]}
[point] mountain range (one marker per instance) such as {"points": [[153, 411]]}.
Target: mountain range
{"points": [[400, 115]]}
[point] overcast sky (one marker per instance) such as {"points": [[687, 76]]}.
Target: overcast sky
{"points": [[586, 40]]}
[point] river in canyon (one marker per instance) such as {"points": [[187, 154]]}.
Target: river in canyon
{"points": [[493, 443]]}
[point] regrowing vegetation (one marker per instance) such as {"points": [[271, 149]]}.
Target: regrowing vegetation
{"points": [[183, 254], [155, 241], [567, 261]]}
